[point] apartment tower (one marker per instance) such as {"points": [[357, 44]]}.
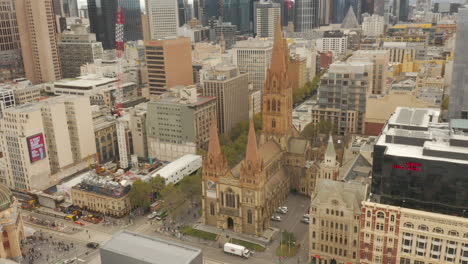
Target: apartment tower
{"points": [[163, 18], [36, 26], [265, 16], [169, 64]]}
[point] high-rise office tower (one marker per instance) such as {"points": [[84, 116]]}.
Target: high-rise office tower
{"points": [[163, 18], [11, 63], [367, 6], [266, 15], [169, 64], [36, 27], [238, 13], [403, 10], [184, 12], [76, 49], [458, 106], [306, 15], [229, 87], [102, 16], [324, 13], [70, 7]]}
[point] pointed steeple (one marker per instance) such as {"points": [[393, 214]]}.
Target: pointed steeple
{"points": [[330, 153], [251, 153], [278, 63], [350, 21], [214, 148]]}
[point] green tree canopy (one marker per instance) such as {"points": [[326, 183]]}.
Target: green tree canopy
{"points": [[140, 194]]}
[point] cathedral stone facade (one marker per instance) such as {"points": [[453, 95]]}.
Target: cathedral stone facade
{"points": [[244, 197]]}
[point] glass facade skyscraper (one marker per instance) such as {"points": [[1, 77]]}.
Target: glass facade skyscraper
{"points": [[102, 16], [306, 15]]}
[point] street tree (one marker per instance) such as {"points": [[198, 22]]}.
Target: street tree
{"points": [[140, 194]]}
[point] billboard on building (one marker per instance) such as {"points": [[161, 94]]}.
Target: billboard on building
{"points": [[36, 146]]}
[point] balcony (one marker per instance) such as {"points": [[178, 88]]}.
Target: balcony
{"points": [[436, 243], [407, 237], [422, 240], [435, 253], [407, 247], [421, 250]]}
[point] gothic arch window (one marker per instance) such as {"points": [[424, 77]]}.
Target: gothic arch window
{"points": [[408, 225], [212, 208], [368, 213], [249, 216], [238, 201], [273, 123], [438, 230], [279, 106], [273, 105], [268, 105], [222, 199], [230, 199], [380, 215], [453, 233], [423, 228]]}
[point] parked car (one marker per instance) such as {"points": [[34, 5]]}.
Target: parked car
{"points": [[152, 215], [92, 245], [276, 218], [285, 208], [305, 220], [282, 210], [306, 216]]}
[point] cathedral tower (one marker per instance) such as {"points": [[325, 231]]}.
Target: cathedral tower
{"points": [[252, 166], [214, 164], [277, 94]]}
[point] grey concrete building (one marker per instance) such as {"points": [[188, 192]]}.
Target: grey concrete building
{"points": [[335, 222], [230, 88], [76, 49], [458, 106], [131, 248], [226, 30], [178, 123]]}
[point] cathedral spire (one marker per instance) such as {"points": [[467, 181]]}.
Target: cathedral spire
{"points": [[330, 153], [278, 62], [251, 152], [214, 148]]}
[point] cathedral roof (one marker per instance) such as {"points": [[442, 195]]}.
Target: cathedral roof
{"points": [[350, 20], [298, 145], [6, 197], [269, 150]]}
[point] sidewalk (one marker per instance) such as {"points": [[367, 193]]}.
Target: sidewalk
{"points": [[264, 240]]}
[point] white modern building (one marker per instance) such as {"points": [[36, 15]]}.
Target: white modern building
{"points": [[179, 168], [373, 25], [334, 41], [163, 18], [266, 15], [253, 56]]}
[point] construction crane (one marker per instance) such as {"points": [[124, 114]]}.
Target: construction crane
{"points": [[119, 49]]}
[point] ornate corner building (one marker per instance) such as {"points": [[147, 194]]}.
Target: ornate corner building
{"points": [[11, 225], [244, 197]]}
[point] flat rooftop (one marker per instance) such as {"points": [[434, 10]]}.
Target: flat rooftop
{"points": [[85, 81], [151, 249], [416, 133]]}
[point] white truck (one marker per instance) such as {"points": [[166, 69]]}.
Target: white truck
{"points": [[237, 250]]}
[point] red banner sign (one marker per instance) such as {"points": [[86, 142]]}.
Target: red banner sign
{"points": [[409, 166], [36, 146]]}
